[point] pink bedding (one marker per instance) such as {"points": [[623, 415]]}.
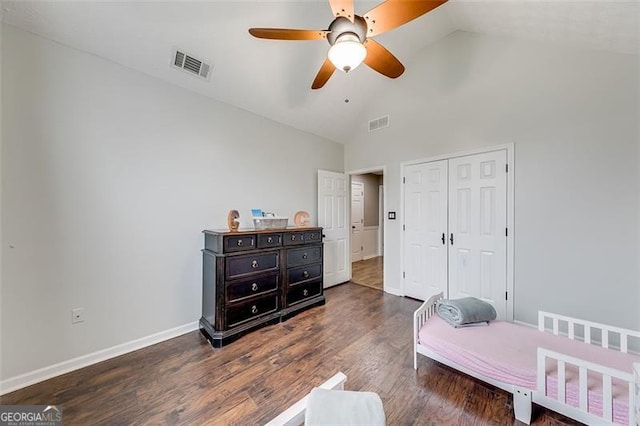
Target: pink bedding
{"points": [[508, 352]]}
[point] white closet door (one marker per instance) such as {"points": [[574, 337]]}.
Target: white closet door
{"points": [[477, 225], [425, 252], [332, 216]]}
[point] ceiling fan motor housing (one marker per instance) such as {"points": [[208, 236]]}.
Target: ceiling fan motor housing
{"points": [[342, 25]]}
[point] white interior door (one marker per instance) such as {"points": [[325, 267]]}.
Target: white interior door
{"points": [[357, 220], [332, 217], [477, 226], [425, 225]]}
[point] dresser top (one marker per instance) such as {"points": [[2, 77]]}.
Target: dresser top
{"points": [[252, 231]]}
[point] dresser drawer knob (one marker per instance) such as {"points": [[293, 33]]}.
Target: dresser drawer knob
{"points": [[254, 309], [305, 292], [305, 274], [254, 264], [293, 238], [305, 255], [240, 243], [254, 287], [269, 239]]}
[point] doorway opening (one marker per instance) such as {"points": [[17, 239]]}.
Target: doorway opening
{"points": [[367, 228]]}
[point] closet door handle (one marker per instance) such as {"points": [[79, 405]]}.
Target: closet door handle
{"points": [[451, 238], [443, 239]]}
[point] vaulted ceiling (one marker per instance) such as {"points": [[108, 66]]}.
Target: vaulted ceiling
{"points": [[273, 78]]}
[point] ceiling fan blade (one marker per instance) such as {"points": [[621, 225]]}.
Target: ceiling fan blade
{"points": [[326, 71], [381, 60], [288, 34], [342, 8], [393, 13]]}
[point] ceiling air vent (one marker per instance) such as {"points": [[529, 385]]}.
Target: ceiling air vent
{"points": [[379, 123], [191, 64]]}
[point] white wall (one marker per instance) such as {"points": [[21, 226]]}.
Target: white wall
{"points": [[369, 239], [108, 177], [573, 116]]}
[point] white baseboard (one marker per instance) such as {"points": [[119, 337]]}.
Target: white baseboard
{"points": [[371, 256], [526, 324], [28, 379], [394, 291]]}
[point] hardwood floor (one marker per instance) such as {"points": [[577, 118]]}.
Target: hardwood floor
{"points": [[362, 332], [368, 272]]}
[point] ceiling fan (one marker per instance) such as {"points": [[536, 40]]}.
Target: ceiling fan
{"points": [[350, 36]]}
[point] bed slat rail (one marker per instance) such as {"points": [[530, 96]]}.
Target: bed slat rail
{"points": [[421, 316], [584, 395], [584, 367], [592, 332], [634, 389]]}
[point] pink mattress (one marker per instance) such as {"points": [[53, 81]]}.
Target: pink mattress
{"points": [[508, 352]]}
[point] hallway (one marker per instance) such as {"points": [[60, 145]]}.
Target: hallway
{"points": [[368, 273]]}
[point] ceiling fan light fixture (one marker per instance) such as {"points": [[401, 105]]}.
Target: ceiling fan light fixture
{"points": [[347, 52]]}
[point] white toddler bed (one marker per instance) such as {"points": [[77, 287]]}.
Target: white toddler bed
{"points": [[579, 378]]}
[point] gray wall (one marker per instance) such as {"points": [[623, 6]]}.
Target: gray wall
{"points": [[108, 177], [573, 117]]}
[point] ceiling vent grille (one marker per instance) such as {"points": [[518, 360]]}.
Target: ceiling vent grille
{"points": [[191, 64], [379, 123]]}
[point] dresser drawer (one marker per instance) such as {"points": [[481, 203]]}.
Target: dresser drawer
{"points": [[234, 243], [252, 309], [304, 256], [304, 291], [269, 240], [238, 266], [238, 290], [304, 273], [313, 236], [293, 238]]}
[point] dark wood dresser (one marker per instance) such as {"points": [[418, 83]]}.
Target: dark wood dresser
{"points": [[257, 277]]}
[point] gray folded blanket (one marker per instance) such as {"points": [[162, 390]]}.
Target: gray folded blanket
{"points": [[465, 311]]}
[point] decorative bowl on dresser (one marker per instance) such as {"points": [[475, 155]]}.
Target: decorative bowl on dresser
{"points": [[257, 277]]}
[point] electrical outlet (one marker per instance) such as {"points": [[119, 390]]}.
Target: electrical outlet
{"points": [[77, 315]]}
